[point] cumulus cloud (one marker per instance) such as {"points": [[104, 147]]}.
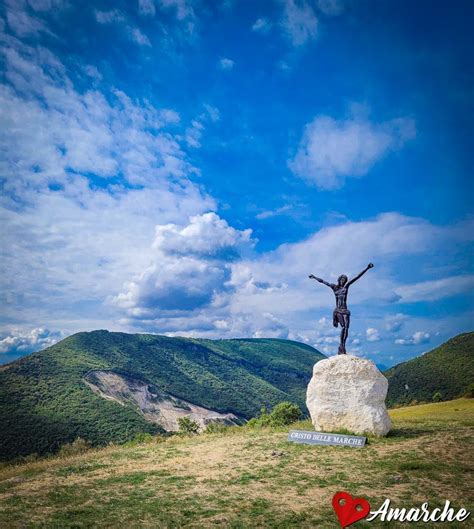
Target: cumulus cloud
{"points": [[190, 268], [20, 341], [332, 150], [226, 64], [417, 338], [372, 334], [206, 235], [299, 21]]}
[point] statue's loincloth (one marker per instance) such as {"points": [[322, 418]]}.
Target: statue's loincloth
{"points": [[343, 312]]}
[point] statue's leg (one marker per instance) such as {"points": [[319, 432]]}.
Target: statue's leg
{"points": [[341, 321], [345, 330]]}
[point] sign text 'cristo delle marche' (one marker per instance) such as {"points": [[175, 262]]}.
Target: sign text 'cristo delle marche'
{"points": [[321, 438]]}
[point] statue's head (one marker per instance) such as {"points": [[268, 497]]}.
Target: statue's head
{"points": [[342, 280]]}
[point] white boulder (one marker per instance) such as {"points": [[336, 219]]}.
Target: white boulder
{"points": [[348, 393]]}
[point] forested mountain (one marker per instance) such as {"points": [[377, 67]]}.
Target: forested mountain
{"points": [[447, 371], [46, 399]]}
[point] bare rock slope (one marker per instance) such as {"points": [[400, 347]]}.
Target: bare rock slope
{"points": [[156, 406]]}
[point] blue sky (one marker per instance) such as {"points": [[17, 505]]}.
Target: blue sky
{"points": [[180, 167]]}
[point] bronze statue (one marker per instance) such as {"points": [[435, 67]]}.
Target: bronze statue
{"points": [[342, 315]]}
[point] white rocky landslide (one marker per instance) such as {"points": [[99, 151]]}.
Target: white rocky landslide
{"points": [[156, 406], [348, 393]]}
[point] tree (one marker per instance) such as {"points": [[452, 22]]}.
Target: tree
{"points": [[437, 397]]}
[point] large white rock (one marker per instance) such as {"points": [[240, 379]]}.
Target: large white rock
{"points": [[348, 392]]}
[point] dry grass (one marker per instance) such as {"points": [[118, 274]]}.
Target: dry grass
{"points": [[245, 478]]}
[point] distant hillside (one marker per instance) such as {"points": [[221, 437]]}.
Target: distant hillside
{"points": [[51, 397], [448, 369]]}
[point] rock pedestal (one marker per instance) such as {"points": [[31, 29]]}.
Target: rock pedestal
{"points": [[348, 393]]}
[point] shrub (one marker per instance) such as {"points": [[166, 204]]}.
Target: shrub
{"points": [[282, 414], [437, 397], [78, 446], [188, 426], [285, 413]]}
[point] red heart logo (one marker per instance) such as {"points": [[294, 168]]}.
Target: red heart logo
{"points": [[349, 509]]}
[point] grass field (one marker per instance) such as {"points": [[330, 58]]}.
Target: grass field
{"points": [[248, 478]]}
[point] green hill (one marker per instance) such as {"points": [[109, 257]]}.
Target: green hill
{"points": [[44, 401], [448, 369]]}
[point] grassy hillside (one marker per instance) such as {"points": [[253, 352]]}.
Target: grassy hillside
{"points": [[249, 478], [448, 369], [44, 402]]}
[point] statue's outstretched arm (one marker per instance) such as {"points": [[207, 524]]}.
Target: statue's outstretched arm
{"points": [[358, 276], [330, 285]]}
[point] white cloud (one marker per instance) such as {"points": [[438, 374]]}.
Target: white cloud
{"points": [[200, 272], [299, 21], [137, 36], [372, 335], [417, 338], [206, 235], [83, 133], [226, 64], [117, 17], [23, 24], [146, 7], [274, 212], [27, 341], [183, 8], [67, 241], [437, 289], [278, 281], [109, 17], [92, 72], [212, 112], [190, 268], [332, 150], [395, 322], [193, 134], [261, 25]]}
